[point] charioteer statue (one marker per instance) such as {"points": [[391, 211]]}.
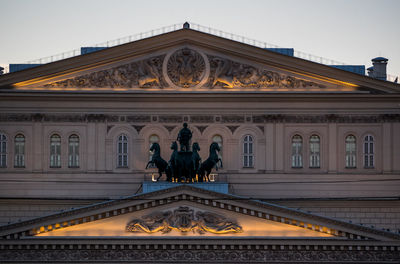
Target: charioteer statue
{"points": [[184, 137], [185, 165]]}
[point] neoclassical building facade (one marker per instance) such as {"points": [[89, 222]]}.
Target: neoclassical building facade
{"points": [[310, 156]]}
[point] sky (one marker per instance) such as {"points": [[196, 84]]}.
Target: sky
{"points": [[349, 31]]}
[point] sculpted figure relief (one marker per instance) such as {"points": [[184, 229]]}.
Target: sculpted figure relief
{"points": [[149, 72], [225, 73], [144, 73], [184, 220], [186, 68]]}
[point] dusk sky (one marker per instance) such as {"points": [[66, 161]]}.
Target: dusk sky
{"points": [[349, 31]]}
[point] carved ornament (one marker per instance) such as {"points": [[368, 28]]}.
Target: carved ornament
{"points": [[186, 68], [184, 220]]}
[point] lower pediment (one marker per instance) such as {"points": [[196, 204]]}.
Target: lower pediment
{"points": [[186, 220]]}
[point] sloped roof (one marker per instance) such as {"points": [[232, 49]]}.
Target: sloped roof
{"points": [[308, 69]]}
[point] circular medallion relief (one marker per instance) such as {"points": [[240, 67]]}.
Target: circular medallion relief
{"points": [[186, 68]]}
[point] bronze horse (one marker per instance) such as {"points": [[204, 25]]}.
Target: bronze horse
{"points": [[159, 162], [196, 160], [208, 164]]}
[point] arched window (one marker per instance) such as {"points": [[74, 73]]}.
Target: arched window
{"points": [[19, 156], [368, 151], [218, 139], [297, 156], [73, 151], [55, 151], [351, 154], [152, 139], [315, 152], [248, 154], [122, 150], [3, 151]]}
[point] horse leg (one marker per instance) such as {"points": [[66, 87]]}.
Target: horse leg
{"points": [[160, 173], [148, 163]]}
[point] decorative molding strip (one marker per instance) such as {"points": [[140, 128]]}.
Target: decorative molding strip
{"points": [[200, 119]]}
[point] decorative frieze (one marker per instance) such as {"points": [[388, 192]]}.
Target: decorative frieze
{"points": [[170, 119], [138, 118], [232, 119], [202, 119], [196, 254], [199, 119]]}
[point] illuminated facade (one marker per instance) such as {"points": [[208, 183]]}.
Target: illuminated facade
{"points": [[310, 157]]}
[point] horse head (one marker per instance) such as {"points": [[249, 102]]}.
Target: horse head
{"points": [[155, 147], [195, 146], [174, 145], [214, 146]]}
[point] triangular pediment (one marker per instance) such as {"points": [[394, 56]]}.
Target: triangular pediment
{"points": [[189, 211], [187, 60]]}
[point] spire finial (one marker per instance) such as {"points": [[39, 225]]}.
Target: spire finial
{"points": [[186, 25]]}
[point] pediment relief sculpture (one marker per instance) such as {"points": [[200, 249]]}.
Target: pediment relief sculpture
{"points": [[184, 220], [187, 68], [143, 74], [229, 74]]}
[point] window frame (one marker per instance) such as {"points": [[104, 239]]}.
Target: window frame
{"points": [[3, 150], [248, 156], [296, 156], [74, 155], [123, 151], [369, 151], [19, 150], [55, 156], [350, 155], [315, 155]]}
